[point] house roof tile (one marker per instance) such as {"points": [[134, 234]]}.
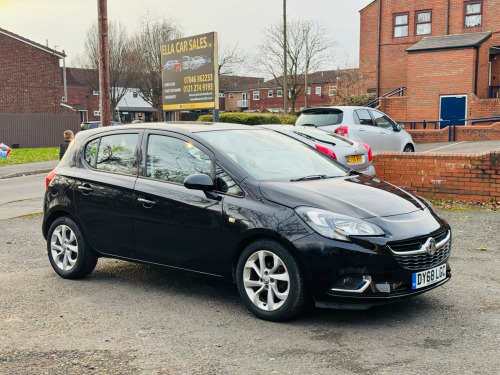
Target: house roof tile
{"points": [[445, 42]]}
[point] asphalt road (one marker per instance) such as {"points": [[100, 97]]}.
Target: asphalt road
{"points": [[464, 147], [21, 195], [134, 319]]}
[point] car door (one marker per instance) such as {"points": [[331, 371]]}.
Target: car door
{"points": [[104, 192], [390, 139], [366, 130], [174, 225]]}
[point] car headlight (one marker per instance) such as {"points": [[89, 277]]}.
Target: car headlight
{"points": [[337, 226]]}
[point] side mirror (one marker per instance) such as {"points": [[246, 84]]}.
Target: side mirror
{"points": [[199, 182], [399, 127]]}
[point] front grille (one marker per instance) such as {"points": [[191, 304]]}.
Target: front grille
{"points": [[421, 261]]}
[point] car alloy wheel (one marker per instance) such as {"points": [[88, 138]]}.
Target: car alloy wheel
{"points": [[64, 247], [69, 253], [270, 281], [266, 280]]}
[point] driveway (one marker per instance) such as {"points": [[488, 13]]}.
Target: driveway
{"points": [[464, 147]]}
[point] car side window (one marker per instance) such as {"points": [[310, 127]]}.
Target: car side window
{"points": [[173, 159], [362, 117], [225, 184], [116, 153], [91, 152], [382, 120]]}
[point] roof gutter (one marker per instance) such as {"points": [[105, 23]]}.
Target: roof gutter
{"points": [[448, 18], [477, 69], [378, 45]]}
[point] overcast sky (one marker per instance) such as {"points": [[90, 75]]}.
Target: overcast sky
{"points": [[64, 23]]}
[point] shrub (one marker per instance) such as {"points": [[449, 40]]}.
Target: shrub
{"points": [[251, 118], [361, 99]]}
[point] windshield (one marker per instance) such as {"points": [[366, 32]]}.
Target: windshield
{"points": [[320, 118], [269, 156]]}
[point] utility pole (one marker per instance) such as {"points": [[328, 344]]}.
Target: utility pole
{"points": [[104, 97], [307, 67], [285, 91]]}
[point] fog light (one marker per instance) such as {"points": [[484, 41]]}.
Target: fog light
{"points": [[383, 287], [352, 284]]}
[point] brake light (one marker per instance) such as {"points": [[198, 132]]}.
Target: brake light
{"points": [[326, 151], [369, 149], [341, 130], [49, 178]]}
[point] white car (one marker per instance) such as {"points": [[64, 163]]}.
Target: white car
{"points": [[361, 124]]}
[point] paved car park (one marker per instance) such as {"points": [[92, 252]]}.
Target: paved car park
{"points": [[133, 319], [464, 147]]}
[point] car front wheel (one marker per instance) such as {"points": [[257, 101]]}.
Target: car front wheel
{"points": [[408, 148], [69, 253], [270, 282]]}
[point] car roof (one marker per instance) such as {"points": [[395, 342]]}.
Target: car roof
{"points": [[337, 107]]}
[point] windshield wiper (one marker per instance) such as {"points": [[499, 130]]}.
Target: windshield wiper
{"points": [[311, 177]]}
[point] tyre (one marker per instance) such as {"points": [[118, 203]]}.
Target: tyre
{"points": [[408, 148], [69, 253], [270, 282]]}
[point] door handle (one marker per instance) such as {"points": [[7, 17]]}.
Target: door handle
{"points": [[146, 203], [85, 189]]}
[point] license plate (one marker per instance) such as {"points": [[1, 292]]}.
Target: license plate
{"points": [[428, 277], [355, 159]]}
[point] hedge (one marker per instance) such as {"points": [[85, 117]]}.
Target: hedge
{"points": [[251, 118]]}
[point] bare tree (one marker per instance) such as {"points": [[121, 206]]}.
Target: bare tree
{"points": [[121, 66], [299, 32], [231, 61], [146, 45], [349, 80]]}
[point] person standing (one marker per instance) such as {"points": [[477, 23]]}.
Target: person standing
{"points": [[68, 137]]}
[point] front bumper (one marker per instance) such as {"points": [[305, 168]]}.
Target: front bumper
{"points": [[366, 272]]}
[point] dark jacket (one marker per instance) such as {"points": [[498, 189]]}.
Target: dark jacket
{"points": [[63, 148]]}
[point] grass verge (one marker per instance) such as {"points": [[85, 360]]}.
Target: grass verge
{"points": [[30, 155]]}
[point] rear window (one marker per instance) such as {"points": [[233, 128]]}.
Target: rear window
{"points": [[320, 118]]}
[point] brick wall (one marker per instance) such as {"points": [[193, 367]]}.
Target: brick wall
{"points": [[483, 107], [368, 49], [396, 107], [30, 79], [462, 133], [470, 177]]}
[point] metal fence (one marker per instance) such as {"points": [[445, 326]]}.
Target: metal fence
{"points": [[30, 130]]}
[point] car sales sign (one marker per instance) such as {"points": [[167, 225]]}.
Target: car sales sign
{"points": [[189, 73]]}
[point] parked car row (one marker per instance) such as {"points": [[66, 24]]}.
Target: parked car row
{"points": [[279, 217], [360, 124]]}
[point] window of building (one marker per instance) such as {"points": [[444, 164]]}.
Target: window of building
{"points": [[256, 95], [270, 94], [308, 91], [318, 90], [231, 95], [473, 13], [279, 93], [332, 90], [423, 20], [95, 92], [221, 95], [97, 113], [401, 25]]}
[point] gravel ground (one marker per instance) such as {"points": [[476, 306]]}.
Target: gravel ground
{"points": [[133, 319]]}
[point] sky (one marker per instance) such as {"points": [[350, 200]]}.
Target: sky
{"points": [[64, 23]]}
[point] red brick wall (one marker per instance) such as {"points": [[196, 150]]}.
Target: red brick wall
{"points": [[470, 177], [84, 95], [30, 79], [368, 49], [483, 107], [432, 74], [396, 107], [490, 18], [462, 133]]}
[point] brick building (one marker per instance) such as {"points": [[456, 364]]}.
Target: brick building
{"points": [[445, 52], [31, 114]]}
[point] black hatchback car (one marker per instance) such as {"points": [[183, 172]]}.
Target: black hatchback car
{"points": [[248, 205]]}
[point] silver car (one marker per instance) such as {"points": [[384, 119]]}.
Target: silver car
{"points": [[353, 155], [361, 124]]}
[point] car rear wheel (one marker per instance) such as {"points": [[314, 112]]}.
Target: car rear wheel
{"points": [[69, 253], [270, 281], [408, 148]]}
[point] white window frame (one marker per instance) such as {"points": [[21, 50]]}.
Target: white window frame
{"points": [[317, 90], [222, 95], [332, 90], [256, 95], [231, 95], [279, 93], [97, 113], [270, 93], [308, 91], [96, 93]]}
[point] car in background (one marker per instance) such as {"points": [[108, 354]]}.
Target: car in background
{"points": [[186, 62], [177, 66], [95, 124], [361, 124], [352, 154], [196, 62], [286, 223], [170, 63]]}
